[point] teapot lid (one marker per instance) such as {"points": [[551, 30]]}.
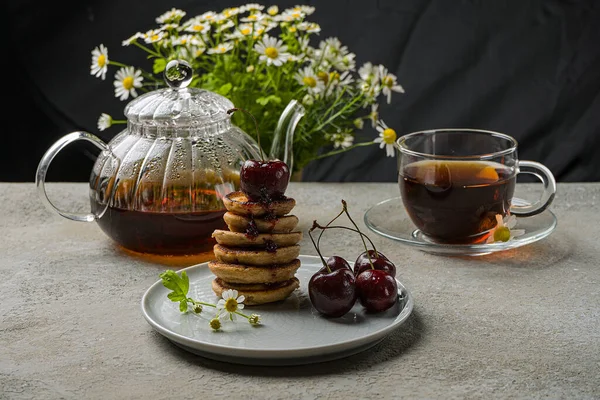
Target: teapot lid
{"points": [[178, 105]]}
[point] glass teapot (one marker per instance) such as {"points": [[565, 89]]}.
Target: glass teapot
{"points": [[157, 186]]}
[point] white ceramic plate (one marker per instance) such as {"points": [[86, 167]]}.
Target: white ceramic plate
{"points": [[390, 219], [292, 332]]}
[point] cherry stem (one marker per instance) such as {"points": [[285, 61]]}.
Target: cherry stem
{"points": [[232, 110], [362, 235], [316, 225], [329, 223]]}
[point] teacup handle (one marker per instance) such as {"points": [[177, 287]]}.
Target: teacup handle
{"points": [[40, 176], [547, 178]]}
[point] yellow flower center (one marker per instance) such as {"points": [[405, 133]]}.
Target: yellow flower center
{"points": [[128, 82], [293, 29], [198, 28], [388, 81], [309, 81], [154, 38], [502, 234], [246, 31], [101, 60], [252, 17], [271, 52], [324, 76], [334, 76], [231, 305], [272, 10], [389, 136]]}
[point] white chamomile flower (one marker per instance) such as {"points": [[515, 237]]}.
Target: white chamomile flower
{"points": [[197, 51], [342, 140], [503, 231], [308, 100], [225, 25], [221, 48], [387, 138], [230, 12], [359, 123], [127, 79], [368, 72], [209, 16], [388, 83], [310, 27], [290, 15], [104, 122], [173, 15], [273, 10], [186, 40], [345, 62], [374, 114], [230, 302], [256, 17], [253, 7], [272, 51], [99, 62], [132, 39], [242, 31], [307, 10], [197, 25], [154, 35], [167, 27], [307, 78]]}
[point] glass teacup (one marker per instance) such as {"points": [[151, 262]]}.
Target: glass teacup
{"points": [[454, 183]]}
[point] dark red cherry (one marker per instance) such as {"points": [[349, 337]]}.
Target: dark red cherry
{"points": [[377, 290], [264, 181], [333, 293], [379, 260]]}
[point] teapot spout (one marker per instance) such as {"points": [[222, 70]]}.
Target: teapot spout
{"points": [[283, 140]]}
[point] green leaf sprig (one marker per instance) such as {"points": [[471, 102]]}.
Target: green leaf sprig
{"points": [[179, 284]]}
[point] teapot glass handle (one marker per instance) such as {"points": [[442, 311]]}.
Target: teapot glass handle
{"points": [[547, 178], [40, 176]]}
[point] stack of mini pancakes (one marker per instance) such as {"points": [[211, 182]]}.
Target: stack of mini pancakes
{"points": [[258, 255]]}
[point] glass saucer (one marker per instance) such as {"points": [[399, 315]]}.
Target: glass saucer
{"points": [[389, 219]]}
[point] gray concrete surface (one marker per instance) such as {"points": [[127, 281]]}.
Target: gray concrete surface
{"points": [[520, 324]]}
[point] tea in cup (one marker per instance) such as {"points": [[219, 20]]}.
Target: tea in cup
{"points": [[454, 182]]}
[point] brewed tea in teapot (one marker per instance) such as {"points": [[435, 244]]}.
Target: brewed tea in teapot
{"points": [[157, 186]]}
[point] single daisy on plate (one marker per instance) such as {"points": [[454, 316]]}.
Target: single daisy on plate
{"points": [[388, 83], [99, 62], [272, 51], [503, 231], [127, 79], [387, 138], [221, 48], [230, 302]]}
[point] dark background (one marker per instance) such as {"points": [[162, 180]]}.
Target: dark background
{"points": [[530, 69]]}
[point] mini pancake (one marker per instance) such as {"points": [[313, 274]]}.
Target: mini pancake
{"points": [[238, 203], [261, 296], [247, 274], [238, 239], [231, 255], [239, 223]]}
